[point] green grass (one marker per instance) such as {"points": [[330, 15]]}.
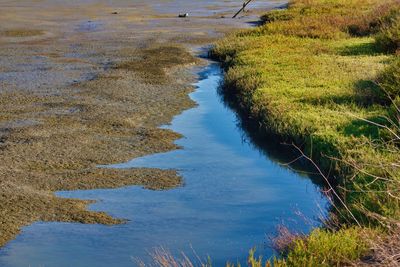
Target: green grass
{"points": [[313, 75], [325, 248], [389, 80], [321, 248]]}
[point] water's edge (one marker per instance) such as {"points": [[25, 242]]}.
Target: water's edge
{"points": [[235, 192]]}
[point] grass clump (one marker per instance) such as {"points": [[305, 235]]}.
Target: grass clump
{"points": [[316, 75], [320, 248], [326, 248], [388, 38], [389, 81]]}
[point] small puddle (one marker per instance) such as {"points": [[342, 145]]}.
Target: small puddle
{"points": [[233, 198], [90, 26]]}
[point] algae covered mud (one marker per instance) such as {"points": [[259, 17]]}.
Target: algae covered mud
{"points": [[234, 195]]}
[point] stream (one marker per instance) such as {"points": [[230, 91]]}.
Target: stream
{"points": [[235, 193]]}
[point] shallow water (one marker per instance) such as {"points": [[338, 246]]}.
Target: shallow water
{"points": [[233, 197]]}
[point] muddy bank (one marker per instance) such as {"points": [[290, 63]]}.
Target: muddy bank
{"points": [[84, 84]]}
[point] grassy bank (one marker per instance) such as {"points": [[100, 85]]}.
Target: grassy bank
{"points": [[325, 75]]}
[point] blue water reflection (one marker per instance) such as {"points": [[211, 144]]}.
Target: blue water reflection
{"points": [[234, 195]]}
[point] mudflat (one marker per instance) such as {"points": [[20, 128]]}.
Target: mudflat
{"points": [[85, 83]]}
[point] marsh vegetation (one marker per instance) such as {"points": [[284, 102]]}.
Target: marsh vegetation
{"points": [[324, 76]]}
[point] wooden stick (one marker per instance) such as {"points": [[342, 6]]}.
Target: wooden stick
{"points": [[243, 7]]}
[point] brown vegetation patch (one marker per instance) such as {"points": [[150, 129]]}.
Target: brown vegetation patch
{"points": [[385, 251], [152, 64], [21, 32]]}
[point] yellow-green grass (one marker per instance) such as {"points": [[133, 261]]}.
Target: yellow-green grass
{"points": [[321, 248], [308, 76], [311, 90]]}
